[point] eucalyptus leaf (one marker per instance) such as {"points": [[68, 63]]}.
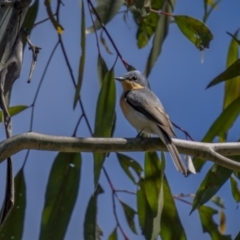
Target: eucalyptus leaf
{"points": [[196, 31], [82, 58], [213, 181], [105, 118], [230, 73], [61, 194], [106, 9], [206, 216], [14, 110]]}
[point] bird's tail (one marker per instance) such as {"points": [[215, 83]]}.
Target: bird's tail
{"points": [[166, 139], [177, 160]]}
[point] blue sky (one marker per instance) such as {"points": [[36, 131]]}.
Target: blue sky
{"points": [[178, 78]]}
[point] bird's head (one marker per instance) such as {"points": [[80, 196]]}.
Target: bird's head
{"points": [[133, 80]]}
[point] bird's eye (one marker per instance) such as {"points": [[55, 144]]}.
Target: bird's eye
{"points": [[134, 78]]}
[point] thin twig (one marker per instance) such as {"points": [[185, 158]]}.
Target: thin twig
{"points": [[114, 194], [77, 125], [184, 131], [125, 191], [42, 21], [36, 96], [108, 35]]}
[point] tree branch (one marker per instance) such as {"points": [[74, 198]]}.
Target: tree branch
{"points": [[215, 152]]}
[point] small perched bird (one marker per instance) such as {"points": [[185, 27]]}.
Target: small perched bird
{"points": [[144, 111]]}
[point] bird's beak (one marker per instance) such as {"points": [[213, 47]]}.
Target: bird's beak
{"points": [[120, 78]]}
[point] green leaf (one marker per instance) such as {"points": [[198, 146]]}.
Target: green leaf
{"points": [[157, 219], [207, 11], [235, 190], [224, 122], [129, 214], [101, 68], [234, 37], [14, 110], [218, 201], [82, 58], [237, 237], [91, 228], [10, 229], [145, 214], [152, 181], [231, 87], [106, 10], [161, 32], [208, 224], [30, 18], [104, 120], [143, 6], [212, 182], [210, 2], [61, 195], [196, 31], [55, 23], [231, 72], [104, 43], [113, 235], [220, 127], [171, 226], [128, 163]]}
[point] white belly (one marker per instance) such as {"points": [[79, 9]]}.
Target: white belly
{"points": [[137, 119]]}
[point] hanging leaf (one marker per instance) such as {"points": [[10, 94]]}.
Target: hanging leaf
{"points": [[101, 68], [61, 195], [220, 127], [30, 18], [152, 181], [145, 214], [213, 181], [14, 110], [129, 214], [232, 87], [218, 201], [10, 229], [207, 10], [231, 72], [82, 58], [106, 9], [104, 43], [91, 228], [237, 237], [55, 23], [234, 36], [196, 31], [161, 32], [235, 190], [143, 6], [127, 164], [157, 219], [208, 224], [113, 235], [104, 120], [171, 225], [222, 222]]}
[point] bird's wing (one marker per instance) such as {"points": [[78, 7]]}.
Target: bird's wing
{"points": [[146, 102]]}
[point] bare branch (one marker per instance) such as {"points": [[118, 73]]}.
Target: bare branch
{"points": [[215, 152]]}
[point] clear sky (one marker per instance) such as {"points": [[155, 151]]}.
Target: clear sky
{"points": [[178, 78]]}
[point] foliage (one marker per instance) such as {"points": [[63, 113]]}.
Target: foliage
{"points": [[155, 213]]}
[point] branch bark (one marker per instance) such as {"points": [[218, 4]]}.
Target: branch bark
{"points": [[215, 152]]}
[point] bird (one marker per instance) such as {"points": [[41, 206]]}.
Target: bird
{"points": [[144, 111]]}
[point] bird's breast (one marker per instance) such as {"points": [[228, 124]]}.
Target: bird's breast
{"points": [[136, 118]]}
